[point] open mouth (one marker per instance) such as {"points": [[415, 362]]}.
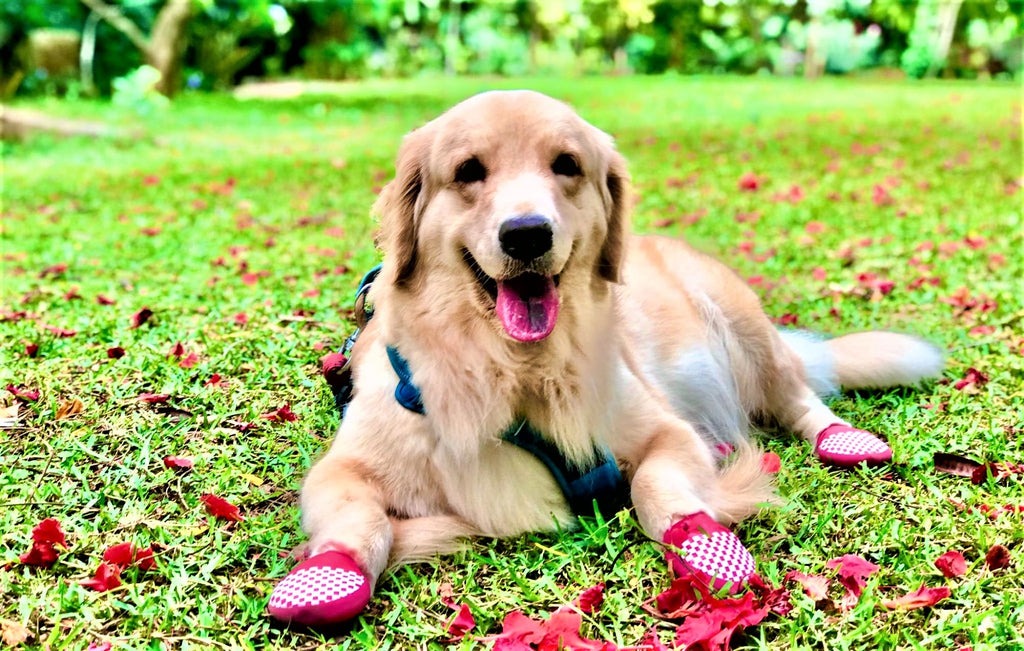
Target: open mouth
{"points": [[526, 305]]}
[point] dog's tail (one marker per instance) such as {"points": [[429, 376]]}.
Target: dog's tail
{"points": [[743, 487], [864, 360], [421, 539]]}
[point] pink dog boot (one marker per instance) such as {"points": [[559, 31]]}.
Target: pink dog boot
{"points": [[710, 552], [842, 445], [325, 589]]}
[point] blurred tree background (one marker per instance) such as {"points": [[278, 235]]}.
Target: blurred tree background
{"points": [[135, 47]]}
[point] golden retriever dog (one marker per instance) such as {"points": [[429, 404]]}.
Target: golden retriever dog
{"points": [[511, 295]]}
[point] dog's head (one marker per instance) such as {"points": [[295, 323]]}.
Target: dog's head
{"points": [[509, 192]]}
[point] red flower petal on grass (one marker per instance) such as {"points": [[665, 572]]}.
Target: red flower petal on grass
{"points": [[32, 350], [214, 381], [951, 564], [141, 317], [104, 300], [45, 536], [40, 555], [125, 554], [920, 598], [189, 361], [21, 393], [62, 333], [107, 577], [177, 350], [153, 397], [853, 572], [281, 414], [115, 352], [814, 585], [178, 462], [973, 378], [49, 531], [220, 508], [750, 182], [461, 624], [998, 557], [771, 463], [591, 599], [99, 646], [653, 642]]}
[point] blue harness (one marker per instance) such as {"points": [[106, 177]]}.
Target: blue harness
{"points": [[601, 482]]}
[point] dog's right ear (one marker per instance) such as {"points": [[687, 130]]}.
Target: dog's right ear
{"points": [[398, 206]]}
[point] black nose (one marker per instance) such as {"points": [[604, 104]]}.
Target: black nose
{"points": [[525, 237]]}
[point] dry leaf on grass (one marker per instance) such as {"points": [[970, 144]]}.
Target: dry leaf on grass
{"points": [[13, 633], [70, 408]]}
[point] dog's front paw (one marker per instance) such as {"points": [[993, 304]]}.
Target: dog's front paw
{"points": [[325, 589], [842, 445], [709, 551]]}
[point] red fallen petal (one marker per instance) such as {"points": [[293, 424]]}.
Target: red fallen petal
{"points": [[41, 554], [141, 317], [749, 182], [178, 462], [121, 554], [60, 332], [998, 557], [153, 397], [220, 508], [951, 564], [814, 585], [107, 577], [281, 414], [461, 624], [591, 599], [971, 378], [241, 318], [49, 531], [115, 352], [517, 628], [99, 646], [54, 270], [177, 350], [144, 559], [32, 350], [214, 381], [771, 462], [920, 598], [189, 361], [819, 273], [23, 394], [853, 570], [103, 300]]}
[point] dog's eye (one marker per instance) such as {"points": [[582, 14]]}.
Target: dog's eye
{"points": [[566, 165], [470, 171]]}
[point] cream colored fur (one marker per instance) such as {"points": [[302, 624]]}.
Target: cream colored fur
{"points": [[658, 352]]}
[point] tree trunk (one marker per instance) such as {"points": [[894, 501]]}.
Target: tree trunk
{"points": [[167, 44], [949, 10]]}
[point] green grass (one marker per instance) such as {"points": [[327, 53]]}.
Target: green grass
{"points": [[304, 174]]}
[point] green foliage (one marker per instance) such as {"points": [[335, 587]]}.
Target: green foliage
{"points": [[137, 92]]}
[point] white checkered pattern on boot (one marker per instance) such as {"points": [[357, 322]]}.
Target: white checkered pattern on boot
{"points": [[722, 556], [313, 586], [855, 442]]}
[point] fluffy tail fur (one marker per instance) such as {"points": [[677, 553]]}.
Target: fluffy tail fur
{"points": [[421, 539], [744, 488], [864, 360]]}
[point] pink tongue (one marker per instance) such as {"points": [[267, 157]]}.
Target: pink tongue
{"points": [[527, 307]]}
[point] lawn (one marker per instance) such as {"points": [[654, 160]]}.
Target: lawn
{"points": [[243, 229]]}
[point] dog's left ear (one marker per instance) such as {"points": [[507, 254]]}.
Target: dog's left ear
{"points": [[398, 205], [609, 264]]}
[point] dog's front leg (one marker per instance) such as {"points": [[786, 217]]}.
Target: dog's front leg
{"points": [[681, 499]]}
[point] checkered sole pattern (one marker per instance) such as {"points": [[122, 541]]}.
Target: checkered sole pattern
{"points": [[321, 591], [315, 586], [709, 551], [721, 556], [846, 446]]}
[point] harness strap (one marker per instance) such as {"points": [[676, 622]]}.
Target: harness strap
{"points": [[601, 482]]}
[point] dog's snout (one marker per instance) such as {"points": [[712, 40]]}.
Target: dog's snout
{"points": [[525, 237]]}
